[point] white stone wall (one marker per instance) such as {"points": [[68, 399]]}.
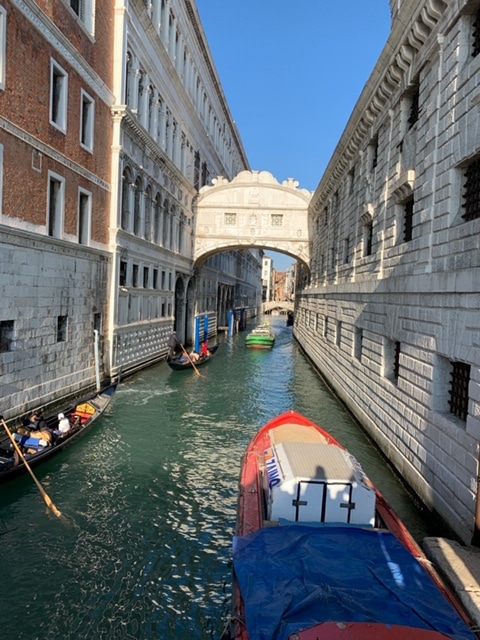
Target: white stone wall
{"points": [[43, 279], [423, 292]]}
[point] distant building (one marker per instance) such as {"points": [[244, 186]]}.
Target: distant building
{"points": [[267, 278]]}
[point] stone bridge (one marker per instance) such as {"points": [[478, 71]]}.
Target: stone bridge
{"points": [[283, 306], [253, 211]]}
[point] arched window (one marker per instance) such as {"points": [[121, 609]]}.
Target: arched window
{"points": [[137, 209], [125, 204], [148, 213], [128, 80], [166, 223], [157, 220]]}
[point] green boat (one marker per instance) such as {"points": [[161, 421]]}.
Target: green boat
{"points": [[260, 338]]}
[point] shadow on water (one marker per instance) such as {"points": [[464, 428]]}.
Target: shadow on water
{"points": [[149, 498]]}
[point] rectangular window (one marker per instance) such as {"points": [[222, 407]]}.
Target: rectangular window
{"points": [[391, 360], [358, 344], [471, 191], [408, 220], [163, 280], [459, 383], [84, 217], [3, 42], [155, 278], [87, 118], [367, 238], [84, 11], [145, 277], [135, 275], [163, 310], [62, 325], [7, 335], [338, 335], [476, 33], [122, 276], [97, 322], [413, 110], [56, 203], [169, 282], [58, 96], [325, 327]]}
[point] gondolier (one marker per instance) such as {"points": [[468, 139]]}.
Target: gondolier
{"points": [[172, 344]]}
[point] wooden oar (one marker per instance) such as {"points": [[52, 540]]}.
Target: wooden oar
{"points": [[191, 361], [44, 494]]}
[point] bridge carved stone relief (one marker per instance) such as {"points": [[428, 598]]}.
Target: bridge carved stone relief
{"points": [[253, 211]]}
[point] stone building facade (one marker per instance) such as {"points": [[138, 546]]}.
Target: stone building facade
{"points": [[390, 311], [112, 118], [55, 188], [172, 133]]}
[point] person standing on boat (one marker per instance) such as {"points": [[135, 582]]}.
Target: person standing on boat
{"points": [[204, 349], [172, 344]]}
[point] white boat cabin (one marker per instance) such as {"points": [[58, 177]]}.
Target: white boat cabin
{"points": [[313, 482]]}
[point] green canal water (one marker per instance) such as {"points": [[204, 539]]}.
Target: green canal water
{"points": [[148, 498]]}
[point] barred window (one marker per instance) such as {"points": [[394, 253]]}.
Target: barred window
{"points": [[408, 220], [476, 33], [396, 361], [7, 335], [471, 192], [414, 109], [62, 326], [459, 381]]}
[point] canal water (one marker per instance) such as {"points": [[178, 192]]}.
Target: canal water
{"points": [[148, 499]]}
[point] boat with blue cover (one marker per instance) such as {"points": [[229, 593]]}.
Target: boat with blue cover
{"points": [[320, 555]]}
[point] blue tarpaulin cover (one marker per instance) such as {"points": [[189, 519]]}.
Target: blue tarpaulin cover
{"points": [[293, 577]]}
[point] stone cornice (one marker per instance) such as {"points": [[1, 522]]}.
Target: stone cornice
{"points": [[52, 153], [410, 30]]}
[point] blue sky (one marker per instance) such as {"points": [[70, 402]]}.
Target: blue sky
{"points": [[292, 73]]}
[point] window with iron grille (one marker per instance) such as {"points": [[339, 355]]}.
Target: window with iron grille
{"points": [[476, 33], [367, 238], [358, 343], [374, 153], [7, 335], [62, 325], [471, 191], [396, 360], [459, 381], [414, 109], [408, 220]]}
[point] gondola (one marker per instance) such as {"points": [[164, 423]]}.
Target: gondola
{"points": [[39, 446], [179, 363], [320, 555]]}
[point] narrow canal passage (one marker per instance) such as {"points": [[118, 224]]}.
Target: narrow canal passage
{"points": [[148, 499]]}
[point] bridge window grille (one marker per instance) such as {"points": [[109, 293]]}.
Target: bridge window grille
{"points": [[414, 109], [408, 220], [277, 220], [459, 381], [471, 193], [230, 219], [476, 33]]}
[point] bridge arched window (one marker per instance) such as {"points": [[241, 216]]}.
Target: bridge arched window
{"points": [[125, 204], [137, 207]]}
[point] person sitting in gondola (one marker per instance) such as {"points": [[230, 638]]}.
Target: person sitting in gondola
{"points": [[204, 349], [63, 426], [37, 421], [194, 357]]}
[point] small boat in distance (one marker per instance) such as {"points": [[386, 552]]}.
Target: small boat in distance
{"points": [[182, 362], [261, 337], [38, 446], [320, 555]]}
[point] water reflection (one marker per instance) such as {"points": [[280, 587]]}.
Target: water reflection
{"points": [[149, 499]]}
